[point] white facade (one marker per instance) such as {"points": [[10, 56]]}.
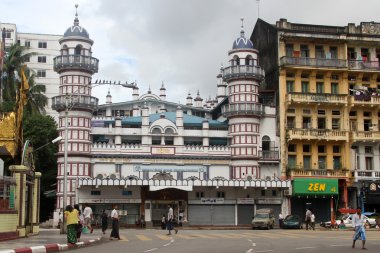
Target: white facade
{"points": [[147, 153], [46, 47]]}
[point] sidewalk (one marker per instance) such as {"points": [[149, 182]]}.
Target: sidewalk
{"points": [[48, 240]]}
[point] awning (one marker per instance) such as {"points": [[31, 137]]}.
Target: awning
{"points": [[188, 188]]}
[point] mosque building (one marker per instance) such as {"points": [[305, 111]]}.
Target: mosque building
{"points": [[215, 161]]}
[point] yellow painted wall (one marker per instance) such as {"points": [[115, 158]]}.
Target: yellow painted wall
{"points": [[8, 222]]}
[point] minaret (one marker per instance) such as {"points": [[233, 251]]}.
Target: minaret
{"points": [[243, 77], [222, 86], [162, 92], [198, 101], [75, 66], [135, 94], [189, 100], [109, 98]]}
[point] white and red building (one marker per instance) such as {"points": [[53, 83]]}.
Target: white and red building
{"points": [[215, 162]]}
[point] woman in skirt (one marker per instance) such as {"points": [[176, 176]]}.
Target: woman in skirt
{"points": [[71, 216]]}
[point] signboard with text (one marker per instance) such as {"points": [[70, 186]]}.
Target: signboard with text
{"points": [[315, 186]]}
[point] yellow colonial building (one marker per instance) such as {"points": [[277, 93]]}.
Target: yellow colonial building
{"points": [[325, 82]]}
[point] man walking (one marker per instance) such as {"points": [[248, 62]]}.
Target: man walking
{"points": [[358, 225], [115, 223], [170, 221], [280, 219], [308, 219], [88, 215]]}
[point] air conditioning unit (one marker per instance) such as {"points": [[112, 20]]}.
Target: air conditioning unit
{"points": [[287, 193], [113, 176], [249, 177]]}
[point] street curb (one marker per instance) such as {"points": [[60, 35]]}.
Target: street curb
{"points": [[53, 247]]}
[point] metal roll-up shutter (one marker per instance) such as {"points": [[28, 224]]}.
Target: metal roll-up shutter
{"points": [[276, 210], [245, 214], [223, 215], [199, 214]]}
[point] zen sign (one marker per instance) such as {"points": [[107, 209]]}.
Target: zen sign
{"points": [[315, 186]]}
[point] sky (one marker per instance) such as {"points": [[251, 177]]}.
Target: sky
{"points": [[181, 43]]}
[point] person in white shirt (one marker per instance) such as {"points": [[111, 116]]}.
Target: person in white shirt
{"points": [[358, 226], [115, 223], [280, 219], [170, 226], [87, 215], [312, 220]]}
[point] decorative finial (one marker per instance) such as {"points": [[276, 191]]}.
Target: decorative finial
{"points": [[76, 20], [242, 27]]}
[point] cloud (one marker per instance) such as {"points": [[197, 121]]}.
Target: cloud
{"points": [[181, 43]]}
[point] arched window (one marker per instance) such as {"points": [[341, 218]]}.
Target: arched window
{"points": [[169, 138], [78, 50], [265, 143], [237, 60], [65, 50], [248, 60]]}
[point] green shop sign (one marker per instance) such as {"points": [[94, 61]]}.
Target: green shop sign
{"points": [[315, 186]]}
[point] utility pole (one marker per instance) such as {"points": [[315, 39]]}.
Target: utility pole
{"points": [[2, 54]]}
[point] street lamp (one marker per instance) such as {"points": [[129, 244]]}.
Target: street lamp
{"points": [[69, 98]]}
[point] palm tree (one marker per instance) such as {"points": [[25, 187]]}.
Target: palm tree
{"points": [[36, 95], [15, 58]]}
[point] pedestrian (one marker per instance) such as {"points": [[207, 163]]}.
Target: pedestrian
{"points": [[115, 223], [280, 220], [312, 220], [308, 218], [88, 215], [170, 221], [358, 226], [80, 221], [104, 221], [163, 222], [71, 216]]}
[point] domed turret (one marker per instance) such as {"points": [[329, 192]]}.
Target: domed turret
{"points": [[242, 42], [76, 30]]}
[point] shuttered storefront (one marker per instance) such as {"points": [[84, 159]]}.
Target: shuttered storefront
{"points": [[245, 214], [211, 214]]}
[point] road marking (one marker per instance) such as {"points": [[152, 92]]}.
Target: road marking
{"points": [[163, 237], [306, 248], [253, 244], [249, 251], [227, 235], [143, 238], [151, 250], [123, 239], [204, 236], [255, 235], [184, 236]]}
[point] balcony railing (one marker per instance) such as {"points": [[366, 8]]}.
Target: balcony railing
{"points": [[300, 172], [365, 99], [82, 62], [363, 65], [330, 63], [241, 71], [75, 101], [243, 109], [268, 155], [309, 134], [365, 135], [313, 62], [366, 174], [317, 98]]}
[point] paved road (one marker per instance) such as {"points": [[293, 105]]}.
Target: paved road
{"points": [[236, 241]]}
